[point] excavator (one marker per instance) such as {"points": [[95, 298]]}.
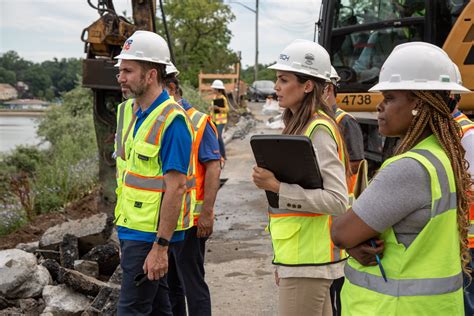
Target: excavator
{"points": [[360, 34], [103, 41]]}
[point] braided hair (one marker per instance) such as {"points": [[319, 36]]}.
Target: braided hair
{"points": [[434, 113]]}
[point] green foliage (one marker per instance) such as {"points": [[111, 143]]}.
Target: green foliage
{"points": [[23, 159], [44, 181], [200, 36], [7, 76], [194, 98], [264, 73], [45, 80]]}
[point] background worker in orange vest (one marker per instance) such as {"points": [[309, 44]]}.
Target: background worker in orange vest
{"points": [[467, 142], [219, 113], [354, 141], [207, 169]]}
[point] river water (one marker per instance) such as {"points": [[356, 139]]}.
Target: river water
{"points": [[17, 130]]}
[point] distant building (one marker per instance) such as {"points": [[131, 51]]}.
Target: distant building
{"points": [[26, 104], [7, 92]]}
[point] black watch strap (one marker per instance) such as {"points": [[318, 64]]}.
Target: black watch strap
{"points": [[162, 241]]}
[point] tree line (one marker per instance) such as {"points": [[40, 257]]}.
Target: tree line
{"points": [[46, 80]]}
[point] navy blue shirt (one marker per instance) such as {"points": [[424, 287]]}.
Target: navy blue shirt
{"points": [[175, 153], [209, 147]]}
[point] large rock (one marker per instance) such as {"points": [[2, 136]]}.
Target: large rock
{"points": [[61, 300], [107, 256], [90, 232], [20, 276], [75, 280]]}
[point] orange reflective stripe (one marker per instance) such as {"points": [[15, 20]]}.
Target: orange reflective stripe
{"points": [[154, 132]]}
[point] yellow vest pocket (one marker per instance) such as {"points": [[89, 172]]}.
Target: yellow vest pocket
{"points": [[285, 238]]}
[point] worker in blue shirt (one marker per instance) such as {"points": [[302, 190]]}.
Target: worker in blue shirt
{"points": [[189, 277], [155, 178]]}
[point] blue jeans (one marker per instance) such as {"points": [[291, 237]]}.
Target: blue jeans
{"points": [[190, 274], [220, 130], [150, 298]]}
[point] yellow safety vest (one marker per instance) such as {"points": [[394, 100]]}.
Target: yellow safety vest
{"points": [[303, 238], [143, 181], [219, 117], [199, 121], [426, 278], [124, 119]]}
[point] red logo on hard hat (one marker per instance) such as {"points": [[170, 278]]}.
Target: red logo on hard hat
{"points": [[127, 44]]}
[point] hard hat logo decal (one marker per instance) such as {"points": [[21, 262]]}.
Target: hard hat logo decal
{"points": [[284, 57], [309, 58], [127, 44]]}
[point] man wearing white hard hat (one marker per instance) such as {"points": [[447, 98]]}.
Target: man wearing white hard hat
{"points": [[156, 190], [415, 210], [189, 278]]}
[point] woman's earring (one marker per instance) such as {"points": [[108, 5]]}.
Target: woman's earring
{"points": [[414, 112]]}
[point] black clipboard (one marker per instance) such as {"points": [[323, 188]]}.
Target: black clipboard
{"points": [[291, 158], [218, 102]]}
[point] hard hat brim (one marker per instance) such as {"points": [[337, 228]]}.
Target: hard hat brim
{"points": [[416, 85], [302, 71], [137, 58]]}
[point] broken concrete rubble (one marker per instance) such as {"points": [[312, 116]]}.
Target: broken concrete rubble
{"points": [[91, 232]]}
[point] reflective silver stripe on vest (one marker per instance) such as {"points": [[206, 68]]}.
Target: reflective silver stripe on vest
{"points": [[154, 184], [196, 118], [198, 208], [336, 253], [187, 216], [120, 128], [447, 201], [280, 211], [191, 183], [151, 139], [404, 287], [464, 122], [471, 229]]}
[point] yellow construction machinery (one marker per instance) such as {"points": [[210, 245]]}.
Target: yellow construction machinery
{"points": [[360, 34]]}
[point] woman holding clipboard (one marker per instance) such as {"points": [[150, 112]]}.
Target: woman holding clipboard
{"points": [[219, 109], [307, 261]]}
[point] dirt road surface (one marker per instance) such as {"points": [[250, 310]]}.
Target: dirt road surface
{"points": [[238, 262]]}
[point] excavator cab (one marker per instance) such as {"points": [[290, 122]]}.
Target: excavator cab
{"points": [[360, 35]]}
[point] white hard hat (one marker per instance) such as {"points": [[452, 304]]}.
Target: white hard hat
{"points": [[418, 66], [217, 84], [458, 74], [334, 75], [305, 57], [171, 69], [146, 46]]}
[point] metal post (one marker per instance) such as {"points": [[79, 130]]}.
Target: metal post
{"points": [[256, 42]]}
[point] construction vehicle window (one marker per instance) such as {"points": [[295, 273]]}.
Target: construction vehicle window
{"points": [[358, 56], [356, 12]]}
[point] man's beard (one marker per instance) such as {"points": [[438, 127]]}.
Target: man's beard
{"points": [[136, 92]]}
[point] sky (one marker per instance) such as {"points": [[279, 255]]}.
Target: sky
{"points": [[43, 29]]}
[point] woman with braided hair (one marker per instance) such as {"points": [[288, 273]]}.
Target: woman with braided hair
{"points": [[414, 213]]}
